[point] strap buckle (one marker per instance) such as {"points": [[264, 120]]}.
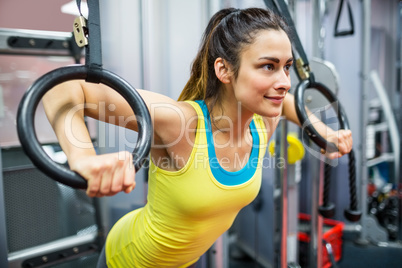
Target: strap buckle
{"points": [[302, 69], [81, 31]]}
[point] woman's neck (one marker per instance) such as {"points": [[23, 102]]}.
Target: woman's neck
{"points": [[230, 116]]}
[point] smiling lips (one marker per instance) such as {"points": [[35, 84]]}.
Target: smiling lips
{"points": [[275, 99]]}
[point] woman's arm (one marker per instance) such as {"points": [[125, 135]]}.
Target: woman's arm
{"points": [[68, 103], [64, 107], [342, 138]]}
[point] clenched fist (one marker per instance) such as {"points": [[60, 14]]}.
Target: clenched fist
{"points": [[107, 174]]}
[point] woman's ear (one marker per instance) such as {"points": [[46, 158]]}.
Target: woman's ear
{"points": [[222, 70]]}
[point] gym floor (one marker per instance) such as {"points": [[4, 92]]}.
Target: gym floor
{"points": [[369, 256], [353, 256]]}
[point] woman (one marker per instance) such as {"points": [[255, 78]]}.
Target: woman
{"points": [[208, 146]]}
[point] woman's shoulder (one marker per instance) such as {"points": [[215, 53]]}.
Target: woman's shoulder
{"points": [[179, 111], [173, 119], [174, 127], [192, 108]]}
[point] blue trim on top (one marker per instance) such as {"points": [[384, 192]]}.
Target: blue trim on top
{"points": [[220, 174]]}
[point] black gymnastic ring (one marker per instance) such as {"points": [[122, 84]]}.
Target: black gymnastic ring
{"points": [[352, 213], [31, 99], [305, 121]]}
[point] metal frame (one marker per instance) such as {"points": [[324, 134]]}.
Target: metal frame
{"points": [[316, 223], [281, 209], [398, 87], [38, 43], [3, 231], [365, 87], [67, 248]]}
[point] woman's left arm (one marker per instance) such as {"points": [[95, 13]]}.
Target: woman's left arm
{"points": [[341, 138]]}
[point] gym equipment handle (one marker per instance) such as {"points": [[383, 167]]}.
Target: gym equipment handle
{"points": [[30, 100]]}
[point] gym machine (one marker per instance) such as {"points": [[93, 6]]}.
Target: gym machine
{"points": [[44, 223], [383, 234]]}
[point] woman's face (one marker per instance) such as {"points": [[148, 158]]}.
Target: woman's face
{"points": [[263, 79]]}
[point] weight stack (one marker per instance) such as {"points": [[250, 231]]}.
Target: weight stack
{"points": [[46, 223]]}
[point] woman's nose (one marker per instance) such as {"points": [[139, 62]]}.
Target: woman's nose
{"points": [[283, 82]]}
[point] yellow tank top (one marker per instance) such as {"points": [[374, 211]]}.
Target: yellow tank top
{"points": [[188, 209]]}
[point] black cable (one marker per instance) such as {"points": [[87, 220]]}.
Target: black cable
{"points": [[352, 181], [327, 183], [280, 8], [327, 209]]}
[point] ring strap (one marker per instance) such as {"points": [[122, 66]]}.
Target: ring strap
{"points": [[280, 8], [93, 51]]}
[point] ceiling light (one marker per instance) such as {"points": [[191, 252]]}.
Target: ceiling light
{"points": [[72, 9]]}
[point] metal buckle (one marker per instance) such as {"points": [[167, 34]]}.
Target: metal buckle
{"points": [[80, 31]]}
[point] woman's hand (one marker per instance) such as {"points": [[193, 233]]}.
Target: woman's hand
{"points": [[343, 140], [107, 174]]}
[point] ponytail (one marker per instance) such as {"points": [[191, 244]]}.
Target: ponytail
{"points": [[196, 85], [201, 69]]}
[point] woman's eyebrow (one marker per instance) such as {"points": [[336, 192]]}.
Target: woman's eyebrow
{"points": [[275, 59], [270, 58]]}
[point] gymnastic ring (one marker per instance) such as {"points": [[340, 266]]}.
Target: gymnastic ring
{"points": [[352, 213], [31, 99], [305, 121]]}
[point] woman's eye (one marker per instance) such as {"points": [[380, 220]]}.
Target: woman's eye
{"points": [[287, 67], [269, 67]]}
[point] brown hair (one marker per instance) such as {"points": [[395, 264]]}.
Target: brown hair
{"points": [[228, 31]]}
